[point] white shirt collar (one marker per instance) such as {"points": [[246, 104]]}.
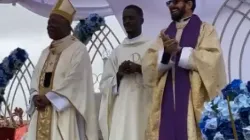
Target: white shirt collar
{"points": [[57, 46], [137, 40]]}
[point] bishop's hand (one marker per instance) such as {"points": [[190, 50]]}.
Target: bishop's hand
{"points": [[36, 100], [41, 101]]}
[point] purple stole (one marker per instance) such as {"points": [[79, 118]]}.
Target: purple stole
{"points": [[173, 123]]}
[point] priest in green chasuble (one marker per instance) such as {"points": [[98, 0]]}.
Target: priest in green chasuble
{"points": [[185, 68], [62, 104]]}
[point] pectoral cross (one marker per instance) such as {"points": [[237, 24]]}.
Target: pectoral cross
{"points": [[51, 63]]}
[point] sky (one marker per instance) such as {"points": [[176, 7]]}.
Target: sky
{"points": [[27, 30]]}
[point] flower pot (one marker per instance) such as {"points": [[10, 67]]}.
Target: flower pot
{"points": [[7, 133]]}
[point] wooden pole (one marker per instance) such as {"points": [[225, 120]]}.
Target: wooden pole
{"points": [[232, 119]]}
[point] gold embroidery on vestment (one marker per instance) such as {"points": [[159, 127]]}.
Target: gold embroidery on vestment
{"points": [[44, 118]]}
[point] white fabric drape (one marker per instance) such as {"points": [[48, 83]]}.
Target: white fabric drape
{"points": [[155, 12], [83, 7]]}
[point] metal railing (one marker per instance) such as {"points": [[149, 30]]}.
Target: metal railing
{"points": [[235, 7]]}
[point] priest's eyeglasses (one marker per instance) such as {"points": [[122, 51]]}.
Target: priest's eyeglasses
{"points": [[172, 2]]}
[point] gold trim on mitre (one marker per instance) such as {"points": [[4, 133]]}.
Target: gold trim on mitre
{"points": [[65, 9]]}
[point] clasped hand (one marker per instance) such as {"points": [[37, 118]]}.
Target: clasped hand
{"points": [[41, 101], [128, 67], [170, 45]]}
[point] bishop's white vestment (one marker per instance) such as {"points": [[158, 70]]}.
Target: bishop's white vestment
{"points": [[124, 109], [63, 74]]}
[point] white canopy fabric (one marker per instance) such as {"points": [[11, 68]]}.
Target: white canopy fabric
{"points": [[156, 12], [83, 7], [157, 15]]}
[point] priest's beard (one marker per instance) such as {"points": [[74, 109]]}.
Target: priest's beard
{"points": [[178, 14]]}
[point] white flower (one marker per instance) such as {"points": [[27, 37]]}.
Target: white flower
{"points": [[218, 136], [242, 100], [204, 137], [243, 87], [211, 123], [234, 108], [246, 133], [224, 112], [222, 105], [208, 111], [217, 99]]}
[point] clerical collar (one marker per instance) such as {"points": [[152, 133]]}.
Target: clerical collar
{"points": [[139, 39], [57, 46], [184, 19], [182, 23], [55, 42]]}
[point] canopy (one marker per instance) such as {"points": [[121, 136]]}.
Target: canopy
{"points": [[83, 7], [155, 12], [157, 15]]}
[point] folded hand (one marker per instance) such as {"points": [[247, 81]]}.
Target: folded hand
{"points": [[41, 101], [124, 68], [129, 67]]}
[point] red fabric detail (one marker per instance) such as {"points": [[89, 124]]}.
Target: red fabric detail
{"points": [[20, 132]]}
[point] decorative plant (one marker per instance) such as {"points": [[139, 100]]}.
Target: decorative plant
{"points": [[8, 68], [227, 117]]}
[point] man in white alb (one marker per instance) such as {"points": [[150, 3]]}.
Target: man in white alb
{"points": [[124, 96]]}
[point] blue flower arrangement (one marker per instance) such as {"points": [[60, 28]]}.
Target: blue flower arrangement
{"points": [[88, 26], [228, 115], [10, 65]]}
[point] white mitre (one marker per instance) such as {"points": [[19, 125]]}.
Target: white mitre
{"points": [[65, 9]]}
